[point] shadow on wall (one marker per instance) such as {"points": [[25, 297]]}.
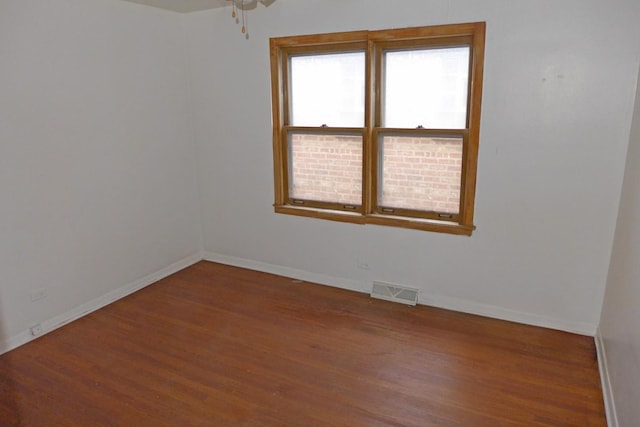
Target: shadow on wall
{"points": [[10, 413]]}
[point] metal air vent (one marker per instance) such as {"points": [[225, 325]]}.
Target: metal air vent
{"points": [[394, 293]]}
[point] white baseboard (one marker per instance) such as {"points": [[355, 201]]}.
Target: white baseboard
{"points": [[465, 306], [322, 279], [97, 303], [455, 304], [607, 391], [495, 312]]}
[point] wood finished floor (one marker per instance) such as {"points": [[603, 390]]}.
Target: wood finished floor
{"points": [[215, 345]]}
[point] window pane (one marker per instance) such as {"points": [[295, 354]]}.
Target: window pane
{"points": [[328, 89], [325, 167], [426, 87], [422, 173]]}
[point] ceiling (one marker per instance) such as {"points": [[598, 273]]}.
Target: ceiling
{"points": [[184, 6]]}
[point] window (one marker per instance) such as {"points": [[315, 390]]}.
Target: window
{"points": [[379, 127]]}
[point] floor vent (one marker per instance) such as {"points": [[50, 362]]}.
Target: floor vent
{"points": [[394, 293]]}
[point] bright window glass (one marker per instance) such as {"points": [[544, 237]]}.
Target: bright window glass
{"points": [[328, 90], [426, 87]]}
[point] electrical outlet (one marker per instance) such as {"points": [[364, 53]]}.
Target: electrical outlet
{"points": [[362, 265], [38, 294], [36, 330]]}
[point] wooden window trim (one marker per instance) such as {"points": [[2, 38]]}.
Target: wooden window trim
{"points": [[374, 43]]}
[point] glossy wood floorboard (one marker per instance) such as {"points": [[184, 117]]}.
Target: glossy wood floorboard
{"points": [[215, 345]]}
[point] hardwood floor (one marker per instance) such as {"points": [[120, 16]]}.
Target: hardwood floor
{"points": [[215, 345]]}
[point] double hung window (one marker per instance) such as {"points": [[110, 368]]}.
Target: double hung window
{"points": [[379, 127]]}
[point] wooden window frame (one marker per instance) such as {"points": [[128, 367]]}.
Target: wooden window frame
{"points": [[373, 43]]}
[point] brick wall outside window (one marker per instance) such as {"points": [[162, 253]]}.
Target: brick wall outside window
{"points": [[326, 168], [417, 172], [421, 173]]}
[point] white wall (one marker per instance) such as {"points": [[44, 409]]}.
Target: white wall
{"points": [[97, 181], [619, 332], [557, 109]]}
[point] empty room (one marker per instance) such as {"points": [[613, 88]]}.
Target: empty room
{"points": [[319, 213]]}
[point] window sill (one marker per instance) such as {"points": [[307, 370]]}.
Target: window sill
{"points": [[377, 219]]}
